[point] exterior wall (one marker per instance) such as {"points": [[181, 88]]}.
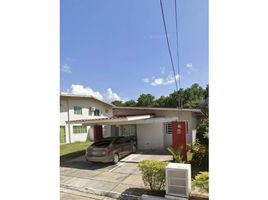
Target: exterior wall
{"points": [[150, 136], [191, 117], [67, 105]]}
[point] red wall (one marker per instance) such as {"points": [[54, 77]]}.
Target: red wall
{"points": [[97, 132], [179, 136]]}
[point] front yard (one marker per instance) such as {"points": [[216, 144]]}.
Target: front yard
{"points": [[69, 151]]}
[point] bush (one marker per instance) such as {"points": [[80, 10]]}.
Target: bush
{"points": [[200, 154], [153, 174], [176, 153], [201, 181]]}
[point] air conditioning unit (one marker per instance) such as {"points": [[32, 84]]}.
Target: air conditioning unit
{"points": [[92, 109], [178, 181]]}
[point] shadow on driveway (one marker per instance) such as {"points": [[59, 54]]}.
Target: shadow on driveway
{"points": [[136, 193], [83, 164]]}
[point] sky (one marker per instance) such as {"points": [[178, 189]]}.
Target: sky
{"points": [[117, 50]]}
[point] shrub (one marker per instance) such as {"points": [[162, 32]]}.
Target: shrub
{"points": [[201, 181], [153, 174], [200, 154], [176, 153]]}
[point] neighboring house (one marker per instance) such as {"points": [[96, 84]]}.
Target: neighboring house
{"points": [[77, 107], [153, 128]]}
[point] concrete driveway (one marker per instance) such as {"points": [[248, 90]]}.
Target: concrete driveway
{"points": [[122, 180]]}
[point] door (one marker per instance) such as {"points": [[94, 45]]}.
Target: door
{"points": [[62, 135]]}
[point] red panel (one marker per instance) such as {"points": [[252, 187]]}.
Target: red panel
{"points": [[97, 132], [179, 136]]}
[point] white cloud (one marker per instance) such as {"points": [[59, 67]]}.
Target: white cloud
{"points": [[66, 68], [111, 96], [146, 80], [81, 90], [189, 66], [155, 81]]}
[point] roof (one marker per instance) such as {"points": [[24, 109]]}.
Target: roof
{"points": [[157, 108], [113, 119], [85, 96]]}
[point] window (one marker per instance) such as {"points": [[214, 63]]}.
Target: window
{"points": [[77, 110], [168, 128], [97, 112], [79, 129], [128, 130]]}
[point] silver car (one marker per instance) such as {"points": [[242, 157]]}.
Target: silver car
{"points": [[110, 149]]}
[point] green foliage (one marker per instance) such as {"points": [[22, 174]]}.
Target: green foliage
{"points": [[130, 103], [200, 155], [201, 181], [203, 126], [118, 103], [192, 97], [202, 130], [176, 153], [146, 100], [153, 174]]}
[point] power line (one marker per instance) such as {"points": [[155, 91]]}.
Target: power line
{"points": [[177, 44], [170, 55]]}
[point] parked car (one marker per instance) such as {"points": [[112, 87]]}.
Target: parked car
{"points": [[110, 149]]}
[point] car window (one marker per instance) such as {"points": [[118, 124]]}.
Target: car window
{"points": [[128, 140], [119, 141], [102, 143]]}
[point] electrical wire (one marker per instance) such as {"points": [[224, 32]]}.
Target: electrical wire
{"points": [[169, 50], [177, 45], [170, 55]]}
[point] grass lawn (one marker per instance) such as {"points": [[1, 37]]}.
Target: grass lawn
{"points": [[69, 151]]}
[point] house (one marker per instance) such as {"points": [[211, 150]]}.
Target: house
{"points": [[77, 107], [153, 128]]}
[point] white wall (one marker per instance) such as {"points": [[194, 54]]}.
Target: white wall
{"points": [[68, 103], [150, 136], [191, 117]]}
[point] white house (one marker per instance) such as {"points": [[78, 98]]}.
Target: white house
{"points": [[77, 107], [153, 128]]}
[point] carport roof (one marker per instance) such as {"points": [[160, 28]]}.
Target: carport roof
{"points": [[113, 119]]}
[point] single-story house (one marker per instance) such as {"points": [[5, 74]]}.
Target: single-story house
{"points": [[153, 128]]}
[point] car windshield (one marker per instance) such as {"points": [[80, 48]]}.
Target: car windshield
{"points": [[102, 143]]}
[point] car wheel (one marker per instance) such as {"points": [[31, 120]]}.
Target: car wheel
{"points": [[116, 158], [134, 149]]}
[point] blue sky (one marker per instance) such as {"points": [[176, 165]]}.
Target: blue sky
{"points": [[116, 49]]}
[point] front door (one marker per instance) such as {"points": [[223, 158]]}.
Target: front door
{"points": [[62, 135]]}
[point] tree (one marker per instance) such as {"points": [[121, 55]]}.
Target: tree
{"points": [[161, 102], [130, 103], [146, 100], [117, 103]]}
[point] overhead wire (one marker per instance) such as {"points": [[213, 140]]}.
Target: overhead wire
{"points": [[169, 50], [178, 57]]}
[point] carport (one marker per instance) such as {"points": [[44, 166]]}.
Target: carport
{"points": [[147, 129]]}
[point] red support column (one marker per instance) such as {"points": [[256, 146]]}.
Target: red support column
{"points": [[97, 132], [179, 136]]}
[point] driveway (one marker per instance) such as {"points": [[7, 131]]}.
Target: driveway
{"points": [[121, 180]]}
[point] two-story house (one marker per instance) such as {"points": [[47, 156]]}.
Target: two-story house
{"points": [[77, 107]]}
